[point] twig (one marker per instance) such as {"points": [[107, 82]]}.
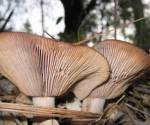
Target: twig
{"points": [[142, 90], [7, 20], [130, 115], [134, 21], [105, 33], [91, 38], [122, 97], [49, 35], [136, 109], [115, 19], [42, 16]]}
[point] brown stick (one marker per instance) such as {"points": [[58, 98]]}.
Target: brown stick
{"points": [[45, 112]]}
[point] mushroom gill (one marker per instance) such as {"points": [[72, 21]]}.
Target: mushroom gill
{"points": [[42, 67]]}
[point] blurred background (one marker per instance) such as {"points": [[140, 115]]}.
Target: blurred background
{"points": [[74, 20]]}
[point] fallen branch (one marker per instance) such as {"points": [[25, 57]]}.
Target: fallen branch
{"points": [[30, 110]]}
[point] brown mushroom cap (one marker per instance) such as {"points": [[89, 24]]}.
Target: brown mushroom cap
{"points": [[127, 62], [43, 67]]}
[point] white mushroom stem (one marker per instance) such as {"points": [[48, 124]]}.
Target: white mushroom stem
{"points": [[94, 105], [44, 101]]}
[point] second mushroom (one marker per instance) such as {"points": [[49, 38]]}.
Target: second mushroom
{"points": [[127, 62]]}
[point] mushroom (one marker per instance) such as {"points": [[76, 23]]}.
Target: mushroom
{"points": [[43, 68], [127, 62]]}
